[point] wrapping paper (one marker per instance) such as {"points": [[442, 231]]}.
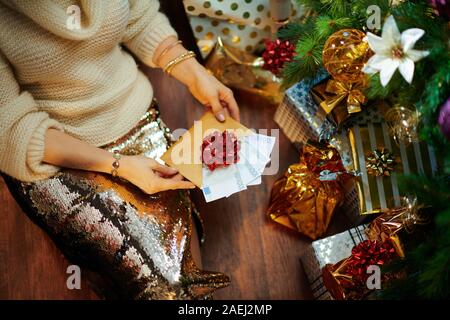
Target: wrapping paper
{"points": [[300, 118], [306, 197], [329, 250], [346, 280], [390, 225], [242, 24], [378, 194], [241, 70]]}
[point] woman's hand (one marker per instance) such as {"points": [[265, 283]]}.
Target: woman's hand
{"points": [[66, 151], [203, 86], [150, 176], [212, 93]]}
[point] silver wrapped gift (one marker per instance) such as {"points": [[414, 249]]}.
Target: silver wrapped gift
{"points": [[328, 250], [300, 118]]}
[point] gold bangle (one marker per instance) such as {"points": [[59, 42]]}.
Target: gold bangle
{"points": [[115, 164], [167, 49], [187, 55]]}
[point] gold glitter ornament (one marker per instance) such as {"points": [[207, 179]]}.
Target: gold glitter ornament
{"points": [[344, 55], [380, 162]]}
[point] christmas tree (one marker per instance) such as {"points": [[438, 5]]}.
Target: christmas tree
{"points": [[427, 263]]}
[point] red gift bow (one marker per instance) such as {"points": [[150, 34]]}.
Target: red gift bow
{"points": [[220, 149], [276, 54], [366, 253]]}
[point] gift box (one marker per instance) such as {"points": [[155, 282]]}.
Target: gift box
{"points": [[244, 71], [309, 193], [376, 194], [299, 116], [393, 224], [348, 278], [329, 250], [242, 24]]}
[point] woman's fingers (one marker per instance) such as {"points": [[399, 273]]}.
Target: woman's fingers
{"points": [[174, 183], [165, 170], [216, 106], [226, 95]]}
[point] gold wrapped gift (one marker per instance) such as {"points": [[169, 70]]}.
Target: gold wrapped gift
{"points": [[389, 225], [243, 71], [306, 197], [347, 279], [340, 284], [376, 194]]}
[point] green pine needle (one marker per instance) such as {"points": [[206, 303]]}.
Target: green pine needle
{"points": [[326, 26]]}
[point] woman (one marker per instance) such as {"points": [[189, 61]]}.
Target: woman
{"points": [[77, 119]]}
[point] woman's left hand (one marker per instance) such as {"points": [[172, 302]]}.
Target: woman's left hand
{"points": [[212, 93], [203, 85]]}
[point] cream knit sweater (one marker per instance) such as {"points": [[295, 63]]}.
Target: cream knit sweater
{"points": [[79, 81]]}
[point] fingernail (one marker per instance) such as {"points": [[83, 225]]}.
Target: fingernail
{"points": [[220, 116], [174, 169]]}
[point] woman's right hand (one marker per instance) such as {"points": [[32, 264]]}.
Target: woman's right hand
{"points": [[150, 176]]}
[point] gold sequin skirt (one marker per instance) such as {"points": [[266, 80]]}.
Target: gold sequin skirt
{"points": [[140, 242]]}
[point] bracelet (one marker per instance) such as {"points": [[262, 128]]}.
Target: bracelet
{"points": [[115, 164], [170, 46], [187, 55]]}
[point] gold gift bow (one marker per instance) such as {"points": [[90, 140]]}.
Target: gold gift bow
{"points": [[341, 90]]}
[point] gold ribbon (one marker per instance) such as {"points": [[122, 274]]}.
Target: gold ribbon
{"points": [[341, 90]]}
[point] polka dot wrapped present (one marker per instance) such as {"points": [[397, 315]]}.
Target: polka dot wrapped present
{"points": [[243, 24]]}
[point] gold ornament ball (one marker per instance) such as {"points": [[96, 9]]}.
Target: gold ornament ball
{"points": [[344, 54]]}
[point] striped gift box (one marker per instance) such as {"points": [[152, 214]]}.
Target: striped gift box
{"points": [[299, 117], [328, 250], [377, 194]]}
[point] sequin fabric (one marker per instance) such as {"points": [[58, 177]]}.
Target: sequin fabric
{"points": [[139, 242]]}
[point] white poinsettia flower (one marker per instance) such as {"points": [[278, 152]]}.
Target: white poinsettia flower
{"points": [[394, 51]]}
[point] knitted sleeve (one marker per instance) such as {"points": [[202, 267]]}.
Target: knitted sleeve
{"points": [[22, 130], [147, 28]]}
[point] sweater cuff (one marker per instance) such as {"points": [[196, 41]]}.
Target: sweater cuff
{"points": [[36, 147], [150, 38]]}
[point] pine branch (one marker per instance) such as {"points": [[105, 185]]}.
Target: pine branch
{"points": [[314, 5], [294, 31], [336, 8], [326, 26]]}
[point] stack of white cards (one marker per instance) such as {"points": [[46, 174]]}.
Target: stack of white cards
{"points": [[254, 155]]}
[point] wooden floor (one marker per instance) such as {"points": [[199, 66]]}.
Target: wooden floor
{"points": [[261, 257]]}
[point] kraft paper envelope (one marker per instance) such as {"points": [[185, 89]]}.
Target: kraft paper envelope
{"points": [[190, 165]]}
